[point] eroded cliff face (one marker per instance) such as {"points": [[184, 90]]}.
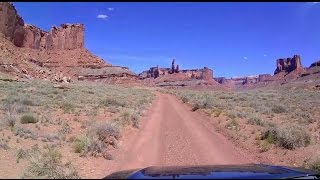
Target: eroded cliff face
{"points": [[11, 24], [57, 55], [66, 37], [32, 36]]}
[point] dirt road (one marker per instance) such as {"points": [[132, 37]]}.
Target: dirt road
{"points": [[171, 134]]}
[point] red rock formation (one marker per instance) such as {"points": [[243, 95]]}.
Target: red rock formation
{"points": [[175, 75], [317, 63], [27, 51], [264, 77], [177, 69], [172, 66], [250, 80], [11, 24], [288, 65], [32, 36], [207, 74], [67, 37]]}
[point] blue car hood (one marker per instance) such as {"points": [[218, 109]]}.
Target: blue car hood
{"points": [[247, 171]]}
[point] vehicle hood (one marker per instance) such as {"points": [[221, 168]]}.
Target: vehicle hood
{"points": [[247, 171]]}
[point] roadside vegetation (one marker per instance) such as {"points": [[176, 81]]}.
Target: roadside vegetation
{"points": [[82, 120], [272, 119]]}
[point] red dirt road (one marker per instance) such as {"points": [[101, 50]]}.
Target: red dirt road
{"points": [[171, 134]]}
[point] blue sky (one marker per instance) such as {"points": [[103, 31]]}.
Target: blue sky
{"points": [[234, 39]]}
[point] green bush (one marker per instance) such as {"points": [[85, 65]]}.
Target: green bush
{"points": [[81, 144], [28, 118]]}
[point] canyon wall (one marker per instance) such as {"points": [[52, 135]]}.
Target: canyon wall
{"points": [[66, 37]]}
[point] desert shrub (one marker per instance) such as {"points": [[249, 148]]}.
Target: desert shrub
{"points": [[232, 114], [11, 118], [313, 163], [24, 133], [11, 114], [233, 124], [113, 109], [48, 165], [217, 112], [27, 102], [290, 137], [135, 118], [195, 107], [126, 117], [68, 107], [129, 117], [21, 154], [97, 139], [50, 137], [28, 118], [4, 145], [304, 117], [113, 102], [108, 130], [184, 99], [66, 129], [278, 109], [256, 121], [81, 144], [265, 145]]}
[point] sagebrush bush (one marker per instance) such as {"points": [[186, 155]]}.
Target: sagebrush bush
{"points": [[265, 145], [233, 124], [27, 102], [81, 144], [313, 163], [135, 118], [24, 133], [108, 130], [289, 137], [66, 129], [256, 121], [279, 109], [48, 165], [97, 139], [28, 118], [114, 102], [68, 107]]}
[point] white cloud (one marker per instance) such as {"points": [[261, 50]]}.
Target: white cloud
{"points": [[315, 2], [110, 9], [245, 58], [102, 16], [265, 55]]}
